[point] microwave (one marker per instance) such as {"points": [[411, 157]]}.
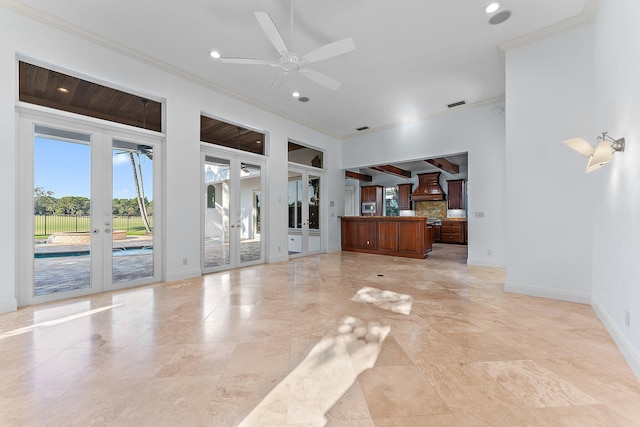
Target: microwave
{"points": [[368, 208]]}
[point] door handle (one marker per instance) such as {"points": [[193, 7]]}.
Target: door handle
{"points": [[107, 230], [95, 231]]}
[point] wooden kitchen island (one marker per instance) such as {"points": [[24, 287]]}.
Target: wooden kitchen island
{"points": [[387, 235]]}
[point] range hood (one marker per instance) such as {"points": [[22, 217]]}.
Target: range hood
{"points": [[428, 188]]}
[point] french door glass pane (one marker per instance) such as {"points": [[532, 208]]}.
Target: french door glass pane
{"points": [[132, 211], [249, 212], [314, 243], [295, 213], [216, 215], [62, 208]]}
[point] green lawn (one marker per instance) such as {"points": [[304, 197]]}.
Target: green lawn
{"points": [[45, 226]]}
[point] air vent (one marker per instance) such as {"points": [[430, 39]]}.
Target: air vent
{"points": [[456, 104], [360, 129], [499, 18]]}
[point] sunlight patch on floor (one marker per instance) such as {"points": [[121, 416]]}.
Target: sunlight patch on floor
{"points": [[26, 329], [386, 300], [328, 371]]}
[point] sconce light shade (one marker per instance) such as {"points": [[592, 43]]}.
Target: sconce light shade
{"points": [[580, 145], [599, 156], [602, 154], [594, 166]]}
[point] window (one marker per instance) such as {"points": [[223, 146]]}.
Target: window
{"points": [[229, 135], [52, 89], [295, 203], [211, 196], [391, 201], [305, 155]]}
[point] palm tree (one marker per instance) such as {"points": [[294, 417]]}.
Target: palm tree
{"points": [[137, 178]]}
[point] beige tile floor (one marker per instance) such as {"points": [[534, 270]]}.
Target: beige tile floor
{"points": [[207, 351]]}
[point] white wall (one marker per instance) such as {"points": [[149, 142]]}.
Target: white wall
{"points": [[616, 267], [185, 101], [550, 97], [478, 131]]}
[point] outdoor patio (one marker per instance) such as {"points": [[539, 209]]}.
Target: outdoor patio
{"points": [[54, 272]]}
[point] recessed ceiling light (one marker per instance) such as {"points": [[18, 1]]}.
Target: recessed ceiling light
{"points": [[215, 54], [63, 89], [295, 94], [303, 99], [492, 7]]}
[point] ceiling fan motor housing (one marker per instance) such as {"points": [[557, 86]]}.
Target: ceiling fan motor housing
{"points": [[290, 62]]}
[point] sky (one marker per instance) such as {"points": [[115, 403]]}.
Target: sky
{"points": [[65, 169]]}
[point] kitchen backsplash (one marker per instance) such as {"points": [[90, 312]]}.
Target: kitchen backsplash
{"points": [[436, 210]]}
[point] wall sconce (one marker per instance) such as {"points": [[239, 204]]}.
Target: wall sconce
{"points": [[599, 156]]}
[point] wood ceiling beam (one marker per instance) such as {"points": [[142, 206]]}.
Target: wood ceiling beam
{"points": [[393, 170], [358, 176], [444, 164]]}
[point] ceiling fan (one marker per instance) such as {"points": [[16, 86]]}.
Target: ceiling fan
{"points": [[290, 62]]}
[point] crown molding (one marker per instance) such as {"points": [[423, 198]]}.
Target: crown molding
{"points": [[587, 15], [51, 21], [426, 117]]}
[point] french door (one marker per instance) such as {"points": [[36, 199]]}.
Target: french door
{"points": [[305, 216], [87, 209], [232, 210]]}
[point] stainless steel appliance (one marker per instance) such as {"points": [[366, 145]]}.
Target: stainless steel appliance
{"points": [[368, 208]]}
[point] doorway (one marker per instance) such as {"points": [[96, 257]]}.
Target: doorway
{"points": [[305, 218], [231, 210], [88, 195]]}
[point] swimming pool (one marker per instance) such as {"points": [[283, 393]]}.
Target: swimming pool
{"points": [[132, 251]]}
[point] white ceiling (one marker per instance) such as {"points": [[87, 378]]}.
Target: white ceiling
{"points": [[412, 57]]}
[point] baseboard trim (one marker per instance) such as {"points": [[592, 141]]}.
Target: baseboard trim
{"points": [[483, 263], [630, 354], [9, 305], [183, 275], [517, 288], [277, 259]]}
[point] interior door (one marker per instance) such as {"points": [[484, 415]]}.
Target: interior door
{"points": [[305, 217], [72, 175], [232, 211]]}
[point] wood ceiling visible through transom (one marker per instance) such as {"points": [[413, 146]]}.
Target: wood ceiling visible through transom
{"points": [[229, 135], [52, 89]]}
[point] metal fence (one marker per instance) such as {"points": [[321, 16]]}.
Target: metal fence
{"points": [[45, 225]]}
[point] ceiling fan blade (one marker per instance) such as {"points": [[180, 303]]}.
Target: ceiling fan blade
{"points": [[330, 50], [247, 61], [321, 79], [279, 80], [271, 31]]}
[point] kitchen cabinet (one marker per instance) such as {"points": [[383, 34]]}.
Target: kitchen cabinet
{"points": [[455, 194], [404, 196], [466, 232], [398, 236], [452, 232], [437, 230], [373, 194]]}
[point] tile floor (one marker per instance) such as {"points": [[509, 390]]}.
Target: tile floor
{"points": [[208, 351]]}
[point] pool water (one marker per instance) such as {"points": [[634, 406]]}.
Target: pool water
{"points": [[145, 250]]}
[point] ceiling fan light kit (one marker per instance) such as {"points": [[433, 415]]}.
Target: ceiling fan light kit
{"points": [[290, 62]]}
